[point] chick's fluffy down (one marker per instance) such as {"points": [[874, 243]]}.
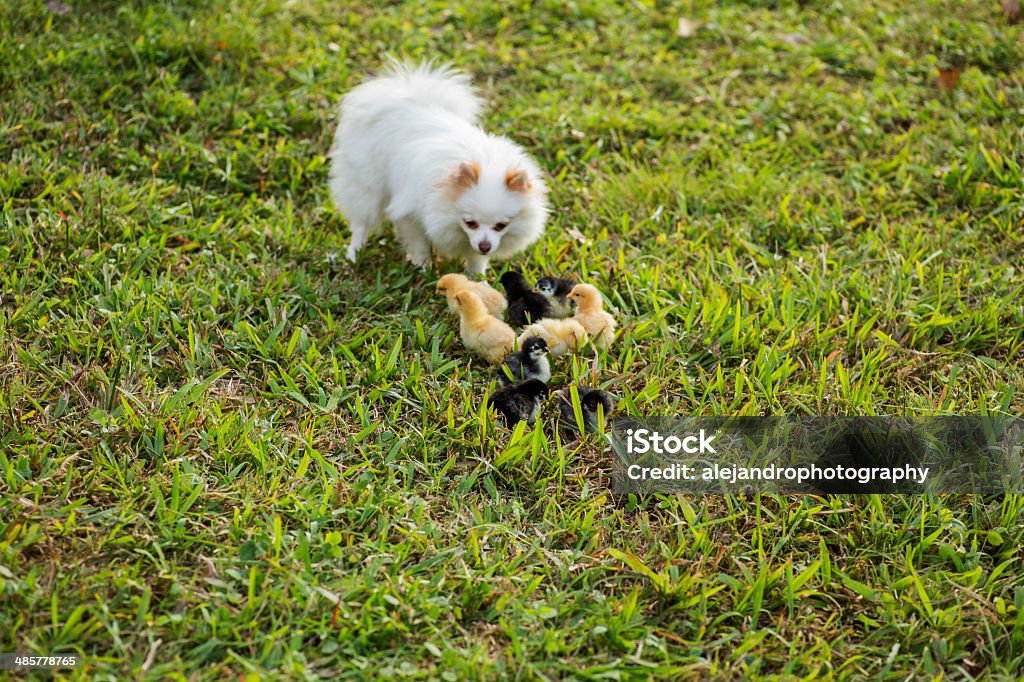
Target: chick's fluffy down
{"points": [[562, 336], [590, 313], [482, 333], [451, 284], [600, 325]]}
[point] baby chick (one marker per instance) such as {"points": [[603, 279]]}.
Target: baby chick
{"points": [[525, 305], [481, 332], [590, 400], [556, 290], [530, 362], [562, 336], [453, 283], [589, 312], [519, 402]]}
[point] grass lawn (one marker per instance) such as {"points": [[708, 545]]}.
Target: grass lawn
{"points": [[226, 454]]}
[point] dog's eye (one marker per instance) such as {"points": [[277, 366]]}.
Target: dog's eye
{"points": [[471, 224], [498, 227]]}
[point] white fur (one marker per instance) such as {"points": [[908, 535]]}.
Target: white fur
{"points": [[400, 139]]}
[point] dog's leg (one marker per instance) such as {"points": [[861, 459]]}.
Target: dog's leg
{"points": [[476, 264], [360, 233], [362, 205], [417, 245]]}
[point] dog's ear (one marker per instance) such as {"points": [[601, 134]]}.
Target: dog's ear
{"points": [[465, 175], [516, 180]]}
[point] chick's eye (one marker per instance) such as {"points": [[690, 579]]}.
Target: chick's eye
{"points": [[498, 227], [471, 224]]}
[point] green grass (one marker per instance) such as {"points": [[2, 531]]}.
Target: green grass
{"points": [[224, 454]]}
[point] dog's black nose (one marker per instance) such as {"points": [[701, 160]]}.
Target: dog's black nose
{"points": [[484, 247]]}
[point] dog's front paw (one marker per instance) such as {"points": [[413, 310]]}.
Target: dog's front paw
{"points": [[422, 261]]}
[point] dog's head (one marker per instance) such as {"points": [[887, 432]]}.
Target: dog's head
{"points": [[489, 201]]}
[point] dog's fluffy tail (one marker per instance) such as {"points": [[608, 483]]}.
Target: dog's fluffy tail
{"points": [[426, 83]]}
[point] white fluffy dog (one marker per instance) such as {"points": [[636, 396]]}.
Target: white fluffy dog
{"points": [[408, 147]]}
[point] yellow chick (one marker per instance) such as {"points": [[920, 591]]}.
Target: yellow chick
{"points": [[562, 335], [482, 333], [590, 313], [453, 283]]}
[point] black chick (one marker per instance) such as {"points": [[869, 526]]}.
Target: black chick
{"points": [[520, 402], [590, 398], [525, 305], [555, 290], [531, 362]]}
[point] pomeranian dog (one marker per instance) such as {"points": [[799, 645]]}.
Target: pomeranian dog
{"points": [[408, 147]]}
